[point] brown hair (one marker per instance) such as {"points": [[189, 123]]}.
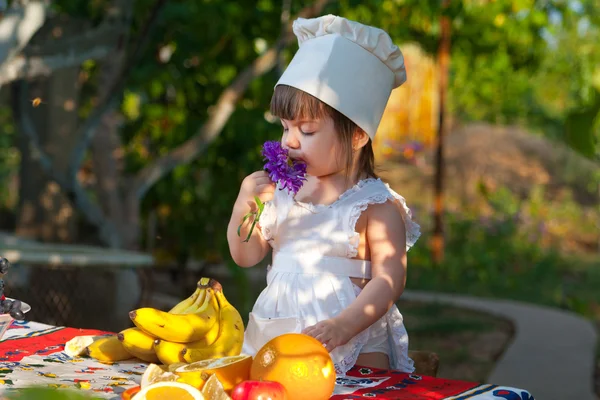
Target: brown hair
{"points": [[291, 103]]}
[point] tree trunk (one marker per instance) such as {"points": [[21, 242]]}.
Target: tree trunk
{"points": [[437, 244], [44, 212]]}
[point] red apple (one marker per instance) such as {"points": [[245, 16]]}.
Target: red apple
{"points": [[258, 390]]}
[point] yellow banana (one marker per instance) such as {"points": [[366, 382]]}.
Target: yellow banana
{"points": [[187, 303], [139, 344], [230, 339], [169, 353], [190, 304], [108, 349], [212, 335], [180, 328], [197, 305]]}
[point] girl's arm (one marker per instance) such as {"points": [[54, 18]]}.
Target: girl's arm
{"points": [[248, 254], [386, 238]]}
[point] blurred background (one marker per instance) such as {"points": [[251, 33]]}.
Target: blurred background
{"points": [[127, 126]]}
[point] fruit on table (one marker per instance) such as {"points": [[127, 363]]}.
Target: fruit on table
{"points": [[214, 390], [169, 352], [180, 328], [230, 337], [7, 306], [300, 363], [139, 344], [229, 370], [191, 303], [155, 374], [129, 393], [257, 390], [78, 345], [186, 305], [169, 390], [108, 349], [12, 307]]}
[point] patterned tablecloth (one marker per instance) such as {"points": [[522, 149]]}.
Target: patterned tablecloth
{"points": [[32, 354]]}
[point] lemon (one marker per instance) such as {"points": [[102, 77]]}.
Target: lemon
{"points": [[154, 374], [169, 391]]}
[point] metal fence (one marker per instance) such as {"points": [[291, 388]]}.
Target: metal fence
{"points": [[71, 296]]}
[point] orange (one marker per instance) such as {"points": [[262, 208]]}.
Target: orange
{"points": [[129, 393], [229, 370], [300, 363], [169, 391]]}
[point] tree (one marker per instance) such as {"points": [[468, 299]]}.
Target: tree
{"points": [[193, 75], [122, 228]]}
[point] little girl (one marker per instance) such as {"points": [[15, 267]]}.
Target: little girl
{"points": [[339, 244]]}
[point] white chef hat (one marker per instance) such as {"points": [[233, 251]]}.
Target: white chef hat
{"points": [[347, 65]]}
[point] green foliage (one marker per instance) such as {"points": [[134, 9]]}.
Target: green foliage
{"points": [[9, 157], [513, 61], [511, 253], [35, 393], [583, 128], [209, 43]]}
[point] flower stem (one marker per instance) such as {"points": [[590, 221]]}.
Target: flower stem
{"points": [[256, 214]]}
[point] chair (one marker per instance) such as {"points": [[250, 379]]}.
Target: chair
{"points": [[426, 362]]}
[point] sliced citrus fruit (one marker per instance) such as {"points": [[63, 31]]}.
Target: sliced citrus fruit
{"points": [[229, 370], [169, 391], [173, 367], [154, 374], [214, 390], [129, 393]]}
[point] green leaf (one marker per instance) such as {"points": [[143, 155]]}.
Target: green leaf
{"points": [[244, 220], [131, 105], [251, 230], [260, 204]]}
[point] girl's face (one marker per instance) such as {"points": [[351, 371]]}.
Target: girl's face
{"points": [[314, 142]]}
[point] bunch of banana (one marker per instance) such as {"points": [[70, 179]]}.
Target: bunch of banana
{"points": [[170, 352], [179, 328], [229, 340], [203, 326], [197, 315]]}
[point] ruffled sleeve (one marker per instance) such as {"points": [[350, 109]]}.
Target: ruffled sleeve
{"points": [[378, 193], [413, 230]]}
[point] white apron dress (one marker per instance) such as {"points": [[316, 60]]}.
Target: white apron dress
{"points": [[309, 278]]}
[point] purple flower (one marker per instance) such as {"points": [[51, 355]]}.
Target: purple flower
{"points": [[290, 174]]}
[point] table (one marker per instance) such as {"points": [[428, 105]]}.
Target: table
{"points": [[32, 353]]}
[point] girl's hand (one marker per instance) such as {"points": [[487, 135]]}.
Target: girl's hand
{"points": [[331, 332], [256, 184]]}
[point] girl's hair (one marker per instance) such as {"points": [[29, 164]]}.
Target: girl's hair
{"points": [[291, 103]]}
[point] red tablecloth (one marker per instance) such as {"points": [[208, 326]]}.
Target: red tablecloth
{"points": [[32, 353]]}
